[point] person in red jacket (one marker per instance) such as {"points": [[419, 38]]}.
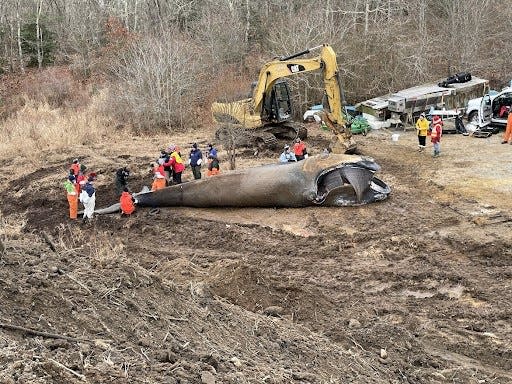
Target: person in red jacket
{"points": [[176, 163], [75, 166], [299, 149], [81, 178], [435, 134], [126, 202]]}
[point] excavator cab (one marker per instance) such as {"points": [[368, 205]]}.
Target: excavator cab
{"points": [[277, 106]]}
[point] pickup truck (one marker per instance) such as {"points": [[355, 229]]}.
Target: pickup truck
{"points": [[491, 109]]}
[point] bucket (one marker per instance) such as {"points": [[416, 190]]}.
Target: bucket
{"points": [[395, 136]]}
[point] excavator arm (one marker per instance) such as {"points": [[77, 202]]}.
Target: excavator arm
{"points": [[253, 113], [289, 66]]}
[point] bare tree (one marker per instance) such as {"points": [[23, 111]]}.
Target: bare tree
{"points": [[18, 34], [7, 38], [160, 81], [39, 35], [221, 31]]}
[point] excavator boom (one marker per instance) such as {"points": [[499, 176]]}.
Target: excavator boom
{"points": [[290, 66], [253, 113]]}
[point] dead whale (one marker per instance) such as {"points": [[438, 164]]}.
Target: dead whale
{"points": [[327, 180]]}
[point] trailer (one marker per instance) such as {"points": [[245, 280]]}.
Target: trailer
{"points": [[376, 107], [406, 105]]}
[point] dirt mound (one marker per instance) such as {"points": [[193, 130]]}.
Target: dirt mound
{"points": [[413, 289]]}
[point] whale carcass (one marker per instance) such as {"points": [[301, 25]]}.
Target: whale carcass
{"points": [[329, 180]]}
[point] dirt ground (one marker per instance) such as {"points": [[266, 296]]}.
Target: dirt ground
{"points": [[415, 289]]}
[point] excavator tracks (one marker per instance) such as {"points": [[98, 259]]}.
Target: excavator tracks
{"points": [[265, 139], [245, 137]]}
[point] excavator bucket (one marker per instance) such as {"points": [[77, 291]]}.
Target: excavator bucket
{"points": [[342, 143]]}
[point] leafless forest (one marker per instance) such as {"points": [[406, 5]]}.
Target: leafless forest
{"points": [[165, 60]]}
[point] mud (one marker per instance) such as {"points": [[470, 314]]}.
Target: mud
{"points": [[307, 295]]}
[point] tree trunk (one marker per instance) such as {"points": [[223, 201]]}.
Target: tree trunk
{"points": [[135, 15], [18, 27], [366, 16], [248, 21], [11, 46], [39, 36]]}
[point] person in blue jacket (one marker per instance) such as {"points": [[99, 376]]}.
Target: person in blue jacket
{"points": [[211, 151], [287, 156], [196, 160]]}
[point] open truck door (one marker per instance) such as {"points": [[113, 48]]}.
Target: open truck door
{"points": [[486, 117], [500, 107], [485, 112]]}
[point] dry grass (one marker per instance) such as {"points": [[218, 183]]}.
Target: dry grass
{"points": [[12, 227], [106, 252], [38, 127]]}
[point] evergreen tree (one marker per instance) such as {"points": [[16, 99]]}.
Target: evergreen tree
{"points": [[29, 44]]}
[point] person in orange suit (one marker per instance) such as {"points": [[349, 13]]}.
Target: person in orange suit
{"points": [[126, 202], [158, 176], [72, 196], [507, 137], [213, 166]]}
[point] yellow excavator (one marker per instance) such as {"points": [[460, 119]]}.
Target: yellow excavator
{"points": [[267, 114]]}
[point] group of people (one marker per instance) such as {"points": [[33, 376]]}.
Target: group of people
{"points": [[297, 153], [79, 187], [195, 161], [167, 170], [434, 130]]}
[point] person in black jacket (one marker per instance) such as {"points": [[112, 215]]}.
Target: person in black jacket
{"points": [[121, 179]]}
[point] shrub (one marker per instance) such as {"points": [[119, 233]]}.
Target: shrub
{"points": [[159, 82]]}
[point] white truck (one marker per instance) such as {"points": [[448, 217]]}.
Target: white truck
{"points": [[491, 109]]}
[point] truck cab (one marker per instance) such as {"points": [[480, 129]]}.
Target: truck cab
{"points": [[491, 109]]}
